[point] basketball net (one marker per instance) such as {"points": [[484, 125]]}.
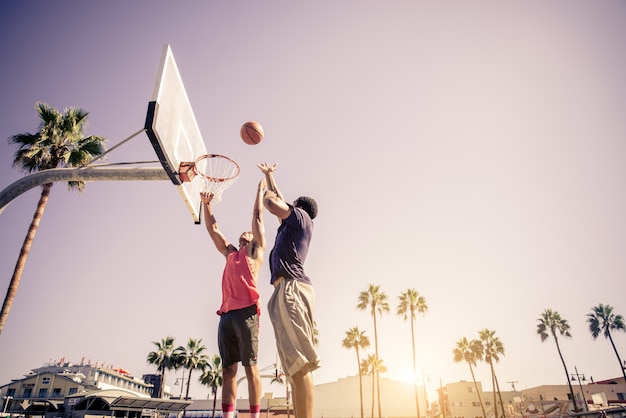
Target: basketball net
{"points": [[217, 173]]}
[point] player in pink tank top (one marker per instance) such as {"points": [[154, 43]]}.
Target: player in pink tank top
{"points": [[239, 286]]}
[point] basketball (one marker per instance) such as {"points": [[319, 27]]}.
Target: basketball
{"points": [[251, 133]]}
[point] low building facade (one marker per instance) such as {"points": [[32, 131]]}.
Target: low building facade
{"points": [[48, 386], [65, 390]]}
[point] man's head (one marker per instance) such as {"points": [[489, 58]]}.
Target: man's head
{"points": [[245, 238], [308, 204]]}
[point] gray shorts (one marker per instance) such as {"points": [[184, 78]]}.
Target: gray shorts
{"points": [[291, 311], [238, 336]]}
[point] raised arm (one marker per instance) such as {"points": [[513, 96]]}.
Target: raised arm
{"points": [[269, 177], [218, 238], [273, 199], [258, 229]]}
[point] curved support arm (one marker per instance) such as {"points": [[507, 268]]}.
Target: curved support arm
{"points": [[77, 174]]}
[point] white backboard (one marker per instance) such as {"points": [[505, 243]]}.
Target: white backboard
{"points": [[173, 130]]}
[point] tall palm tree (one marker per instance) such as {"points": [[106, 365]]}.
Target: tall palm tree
{"points": [[376, 301], [212, 377], [550, 322], [163, 358], [357, 339], [411, 303], [191, 357], [602, 319], [59, 142], [373, 366], [470, 352], [492, 349]]}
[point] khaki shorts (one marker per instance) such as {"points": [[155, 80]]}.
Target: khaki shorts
{"points": [[291, 311]]}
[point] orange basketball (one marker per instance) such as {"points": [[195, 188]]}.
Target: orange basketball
{"points": [[251, 132]]}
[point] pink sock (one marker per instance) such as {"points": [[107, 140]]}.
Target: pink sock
{"points": [[228, 410], [255, 411]]}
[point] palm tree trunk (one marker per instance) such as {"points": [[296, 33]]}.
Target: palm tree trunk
{"points": [[499, 394], [480, 398], [375, 331], [373, 385], [162, 383], [21, 260], [188, 382], [621, 365], [380, 414], [214, 402], [493, 385], [417, 403], [358, 360], [569, 383]]}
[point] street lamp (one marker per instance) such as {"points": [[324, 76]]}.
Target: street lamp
{"points": [[579, 377], [182, 383]]}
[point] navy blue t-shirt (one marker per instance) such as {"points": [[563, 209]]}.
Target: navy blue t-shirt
{"points": [[291, 247]]}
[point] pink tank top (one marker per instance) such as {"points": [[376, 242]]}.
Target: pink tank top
{"points": [[238, 285]]}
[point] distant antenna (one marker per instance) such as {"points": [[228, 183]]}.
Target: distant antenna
{"points": [[513, 385]]}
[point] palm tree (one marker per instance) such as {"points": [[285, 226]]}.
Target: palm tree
{"points": [[58, 142], [492, 348], [191, 357], [164, 358], [602, 319], [551, 321], [357, 339], [376, 300], [411, 302], [471, 352], [212, 377], [373, 366]]}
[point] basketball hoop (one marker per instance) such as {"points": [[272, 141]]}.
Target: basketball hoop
{"points": [[217, 173]]}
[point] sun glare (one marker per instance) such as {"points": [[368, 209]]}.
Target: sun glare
{"points": [[407, 377]]}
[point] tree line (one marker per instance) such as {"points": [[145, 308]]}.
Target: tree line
{"points": [[167, 356], [487, 347]]}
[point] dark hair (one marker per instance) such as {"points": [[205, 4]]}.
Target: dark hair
{"points": [[308, 204]]}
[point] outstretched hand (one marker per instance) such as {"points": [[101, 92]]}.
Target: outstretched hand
{"points": [[266, 168], [207, 197]]}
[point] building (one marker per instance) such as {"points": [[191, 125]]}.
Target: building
{"points": [[65, 390], [47, 387], [342, 398], [461, 400]]}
